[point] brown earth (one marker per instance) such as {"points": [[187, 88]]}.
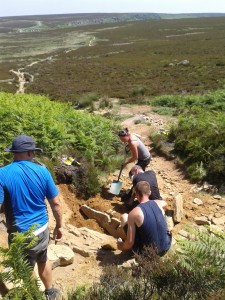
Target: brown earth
{"points": [[86, 270], [170, 180]]}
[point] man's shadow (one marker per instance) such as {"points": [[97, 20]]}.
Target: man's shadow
{"points": [[110, 257], [118, 207]]}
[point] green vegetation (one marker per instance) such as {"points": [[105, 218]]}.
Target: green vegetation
{"points": [[87, 100], [214, 101], [199, 135], [59, 129], [119, 59], [196, 271], [17, 271], [145, 54], [137, 62]]}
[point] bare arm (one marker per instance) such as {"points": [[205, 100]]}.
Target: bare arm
{"points": [[57, 213], [134, 152], [129, 242]]}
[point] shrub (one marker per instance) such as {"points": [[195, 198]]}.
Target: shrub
{"points": [[87, 99], [86, 180], [78, 294], [197, 271], [204, 256], [183, 103], [18, 271], [170, 111], [105, 102], [57, 127], [138, 91], [199, 141]]}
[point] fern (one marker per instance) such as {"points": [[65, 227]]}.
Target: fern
{"points": [[205, 256], [17, 269]]}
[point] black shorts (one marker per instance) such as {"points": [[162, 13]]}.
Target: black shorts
{"points": [[143, 162]]}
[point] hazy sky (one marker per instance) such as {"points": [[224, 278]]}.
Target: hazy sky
{"points": [[40, 7]]}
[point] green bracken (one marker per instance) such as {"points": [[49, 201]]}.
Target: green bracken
{"points": [[57, 127]]}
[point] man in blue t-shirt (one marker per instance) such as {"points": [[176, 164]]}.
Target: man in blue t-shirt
{"points": [[24, 185]]}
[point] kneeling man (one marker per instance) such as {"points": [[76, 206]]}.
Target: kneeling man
{"points": [[146, 223]]}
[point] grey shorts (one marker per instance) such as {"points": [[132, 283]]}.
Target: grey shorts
{"points": [[38, 252]]}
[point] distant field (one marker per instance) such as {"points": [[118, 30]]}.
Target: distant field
{"points": [[183, 56]]}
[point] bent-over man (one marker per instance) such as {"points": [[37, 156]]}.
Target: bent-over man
{"points": [[136, 175]]}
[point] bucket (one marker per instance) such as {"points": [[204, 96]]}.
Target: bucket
{"points": [[115, 187], [116, 184]]}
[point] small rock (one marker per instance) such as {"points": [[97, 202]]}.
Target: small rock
{"points": [[218, 221], [198, 201], [202, 220], [129, 264], [184, 233], [217, 215]]}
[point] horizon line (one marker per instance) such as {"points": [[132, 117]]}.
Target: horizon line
{"points": [[138, 12]]}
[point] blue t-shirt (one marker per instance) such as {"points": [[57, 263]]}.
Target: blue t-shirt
{"points": [[24, 185]]}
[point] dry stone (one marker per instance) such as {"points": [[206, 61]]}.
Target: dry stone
{"points": [[86, 242], [198, 201], [178, 207], [202, 220], [60, 255], [184, 233], [110, 225], [169, 222], [75, 231], [221, 203], [99, 216], [83, 251], [131, 263], [218, 221], [115, 223]]}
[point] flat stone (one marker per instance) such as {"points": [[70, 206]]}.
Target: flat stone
{"points": [[198, 201], [202, 220], [218, 221], [60, 255]]}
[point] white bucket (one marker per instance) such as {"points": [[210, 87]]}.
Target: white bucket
{"points": [[115, 187]]}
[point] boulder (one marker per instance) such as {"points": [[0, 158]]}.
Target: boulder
{"points": [[60, 255]]}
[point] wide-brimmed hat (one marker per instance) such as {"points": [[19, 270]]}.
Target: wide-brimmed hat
{"points": [[22, 143]]}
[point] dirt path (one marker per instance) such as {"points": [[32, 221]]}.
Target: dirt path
{"points": [[171, 180]]}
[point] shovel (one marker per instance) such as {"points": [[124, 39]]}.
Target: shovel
{"points": [[116, 184]]}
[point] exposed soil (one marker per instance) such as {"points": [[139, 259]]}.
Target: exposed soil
{"points": [[86, 270], [170, 180]]}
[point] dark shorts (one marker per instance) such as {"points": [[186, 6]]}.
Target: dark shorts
{"points": [[143, 162], [38, 252]]}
